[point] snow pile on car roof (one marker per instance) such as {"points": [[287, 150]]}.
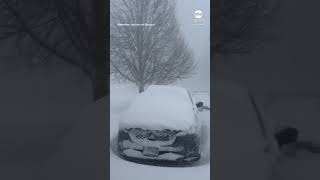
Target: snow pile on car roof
{"points": [[159, 108]]}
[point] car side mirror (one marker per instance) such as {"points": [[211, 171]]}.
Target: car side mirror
{"points": [[199, 104]]}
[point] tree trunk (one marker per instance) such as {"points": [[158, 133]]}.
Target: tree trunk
{"points": [[141, 88]]}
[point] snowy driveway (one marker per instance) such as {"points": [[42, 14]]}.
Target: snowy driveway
{"points": [[124, 170]]}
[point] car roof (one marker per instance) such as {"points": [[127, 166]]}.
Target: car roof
{"points": [[167, 90], [161, 107]]}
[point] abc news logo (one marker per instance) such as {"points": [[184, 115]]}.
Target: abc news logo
{"points": [[198, 17]]}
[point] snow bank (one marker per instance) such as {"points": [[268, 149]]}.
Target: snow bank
{"points": [[121, 94], [145, 172], [160, 107]]}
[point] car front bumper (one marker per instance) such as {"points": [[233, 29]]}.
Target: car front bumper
{"points": [[135, 150], [180, 148]]}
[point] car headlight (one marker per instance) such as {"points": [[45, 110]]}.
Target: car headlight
{"points": [[123, 135]]}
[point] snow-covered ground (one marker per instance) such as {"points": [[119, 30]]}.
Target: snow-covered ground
{"points": [[120, 169], [239, 146], [302, 113]]}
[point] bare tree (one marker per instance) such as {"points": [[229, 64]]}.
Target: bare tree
{"points": [[146, 44], [71, 30]]}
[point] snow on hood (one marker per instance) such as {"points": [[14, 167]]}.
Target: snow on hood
{"points": [[159, 108]]}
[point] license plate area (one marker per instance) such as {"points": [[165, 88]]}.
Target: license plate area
{"points": [[150, 151]]}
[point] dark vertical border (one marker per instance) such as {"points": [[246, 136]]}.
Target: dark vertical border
{"points": [[108, 84], [211, 88]]}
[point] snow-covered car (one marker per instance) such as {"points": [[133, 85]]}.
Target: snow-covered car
{"points": [[161, 124]]}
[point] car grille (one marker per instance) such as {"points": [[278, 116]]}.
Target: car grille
{"points": [[154, 135]]}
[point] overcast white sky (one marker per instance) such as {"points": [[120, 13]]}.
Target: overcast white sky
{"points": [[198, 38]]}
